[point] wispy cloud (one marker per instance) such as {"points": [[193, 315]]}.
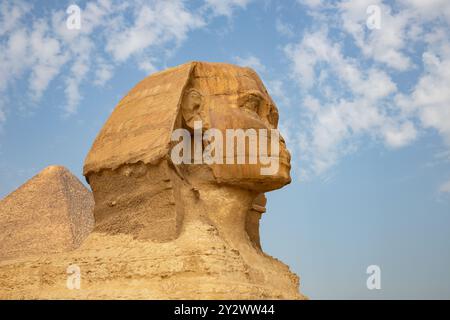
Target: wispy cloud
{"points": [[156, 24], [250, 61], [226, 7], [40, 49], [445, 187], [353, 94], [284, 28]]}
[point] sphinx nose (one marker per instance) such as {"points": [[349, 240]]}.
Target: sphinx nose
{"points": [[285, 150], [282, 140]]}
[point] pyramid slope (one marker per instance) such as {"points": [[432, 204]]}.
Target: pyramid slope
{"points": [[51, 212]]}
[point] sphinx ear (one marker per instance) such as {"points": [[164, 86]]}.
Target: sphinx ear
{"points": [[191, 107]]}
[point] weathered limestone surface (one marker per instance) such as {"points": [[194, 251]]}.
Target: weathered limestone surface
{"points": [[165, 230], [52, 212], [139, 127]]}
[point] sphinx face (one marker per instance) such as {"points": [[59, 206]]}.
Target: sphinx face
{"points": [[232, 100]]}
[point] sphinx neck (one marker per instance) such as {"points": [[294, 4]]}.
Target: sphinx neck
{"points": [[228, 209]]}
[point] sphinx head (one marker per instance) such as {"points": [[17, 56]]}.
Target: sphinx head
{"points": [[138, 185], [229, 112]]}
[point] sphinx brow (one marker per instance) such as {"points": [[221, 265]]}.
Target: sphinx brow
{"points": [[253, 93]]}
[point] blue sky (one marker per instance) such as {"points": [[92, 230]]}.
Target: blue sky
{"points": [[365, 112]]}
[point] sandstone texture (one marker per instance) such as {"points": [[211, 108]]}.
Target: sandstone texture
{"points": [[165, 230], [52, 212]]}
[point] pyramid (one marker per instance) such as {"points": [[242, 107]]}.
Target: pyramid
{"points": [[51, 212]]}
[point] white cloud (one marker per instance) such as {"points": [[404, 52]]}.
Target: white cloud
{"points": [[164, 22], [284, 28], [13, 57], [2, 113], [277, 91], [390, 44], [147, 66], [445, 187], [431, 95], [385, 45], [251, 62], [29, 52], [429, 100], [350, 95], [39, 49], [73, 95], [401, 135], [333, 122], [226, 7], [103, 73], [11, 15], [428, 10], [311, 3], [47, 59]]}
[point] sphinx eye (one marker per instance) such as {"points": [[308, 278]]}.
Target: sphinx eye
{"points": [[252, 103], [273, 116], [195, 100]]}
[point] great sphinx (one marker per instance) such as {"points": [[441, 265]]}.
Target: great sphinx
{"points": [[180, 231]]}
